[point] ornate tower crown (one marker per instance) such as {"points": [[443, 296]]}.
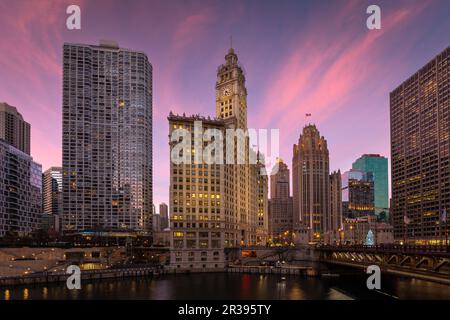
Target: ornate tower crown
{"points": [[231, 93], [231, 57]]}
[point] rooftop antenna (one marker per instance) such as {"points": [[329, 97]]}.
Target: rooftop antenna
{"points": [[231, 42]]}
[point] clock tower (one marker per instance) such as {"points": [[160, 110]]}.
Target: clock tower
{"points": [[231, 93]]}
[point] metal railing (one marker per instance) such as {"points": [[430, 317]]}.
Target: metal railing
{"points": [[394, 248]]}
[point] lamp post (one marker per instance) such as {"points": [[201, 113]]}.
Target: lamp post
{"points": [[446, 223], [353, 234]]}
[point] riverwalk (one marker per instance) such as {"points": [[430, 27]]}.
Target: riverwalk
{"points": [[49, 277]]}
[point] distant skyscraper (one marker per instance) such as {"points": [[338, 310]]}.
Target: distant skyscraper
{"points": [[52, 198], [13, 129], [52, 191], [280, 181], [335, 217], [156, 222], [311, 182], [420, 151], [262, 193], [378, 165], [107, 138], [164, 212], [280, 204], [20, 191], [357, 194]]}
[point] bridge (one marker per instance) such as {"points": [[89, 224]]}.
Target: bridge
{"points": [[425, 262], [257, 255]]}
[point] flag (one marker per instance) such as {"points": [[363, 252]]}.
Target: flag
{"points": [[308, 114], [444, 215], [406, 220]]}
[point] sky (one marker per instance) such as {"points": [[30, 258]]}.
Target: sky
{"points": [[300, 57]]}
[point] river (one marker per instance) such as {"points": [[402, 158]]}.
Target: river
{"points": [[350, 285]]}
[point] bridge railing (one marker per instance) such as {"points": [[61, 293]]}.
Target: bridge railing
{"points": [[393, 248]]}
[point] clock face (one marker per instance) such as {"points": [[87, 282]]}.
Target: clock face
{"points": [[227, 91]]}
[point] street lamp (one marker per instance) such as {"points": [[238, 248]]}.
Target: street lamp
{"points": [[353, 235]]}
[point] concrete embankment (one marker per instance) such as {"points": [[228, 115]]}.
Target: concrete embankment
{"points": [[85, 275]]}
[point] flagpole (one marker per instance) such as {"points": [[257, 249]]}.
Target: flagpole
{"points": [[446, 233], [443, 218], [404, 231]]}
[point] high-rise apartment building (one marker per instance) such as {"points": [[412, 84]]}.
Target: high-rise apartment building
{"points": [[13, 128], [311, 182], [280, 205], [107, 138], [378, 166], [20, 192], [420, 151]]}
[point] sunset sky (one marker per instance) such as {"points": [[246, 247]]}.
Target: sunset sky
{"points": [[300, 57]]}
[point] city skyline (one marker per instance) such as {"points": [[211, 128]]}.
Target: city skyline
{"points": [[365, 64], [224, 150]]}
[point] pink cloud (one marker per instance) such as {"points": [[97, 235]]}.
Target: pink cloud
{"points": [[191, 28], [322, 83]]}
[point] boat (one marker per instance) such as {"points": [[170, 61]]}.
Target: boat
{"points": [[331, 275]]}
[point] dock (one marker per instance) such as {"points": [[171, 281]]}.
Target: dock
{"points": [[287, 270]]}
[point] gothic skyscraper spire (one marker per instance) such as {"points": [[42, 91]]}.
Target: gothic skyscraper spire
{"points": [[311, 182]]}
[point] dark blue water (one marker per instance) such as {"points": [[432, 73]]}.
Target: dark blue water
{"points": [[236, 286]]}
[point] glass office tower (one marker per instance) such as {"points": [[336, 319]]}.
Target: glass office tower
{"points": [[378, 165]]}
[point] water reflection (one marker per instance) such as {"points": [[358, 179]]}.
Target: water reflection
{"points": [[233, 286]]}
